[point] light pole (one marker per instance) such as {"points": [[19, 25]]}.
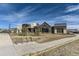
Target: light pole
{"points": [[9, 27]]}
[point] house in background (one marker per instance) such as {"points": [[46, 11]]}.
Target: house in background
{"points": [[26, 29], [43, 28], [60, 28]]}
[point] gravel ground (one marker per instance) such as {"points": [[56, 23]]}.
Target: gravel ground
{"points": [[63, 47], [40, 39], [71, 49], [33, 47]]}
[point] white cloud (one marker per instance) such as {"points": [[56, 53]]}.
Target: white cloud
{"points": [[73, 26], [72, 8], [19, 15], [8, 18], [13, 17], [16, 16], [71, 20], [29, 8]]}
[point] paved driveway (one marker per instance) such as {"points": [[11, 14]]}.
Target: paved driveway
{"points": [[6, 45]]}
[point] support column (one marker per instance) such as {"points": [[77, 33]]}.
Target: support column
{"points": [[65, 31], [41, 30], [55, 31], [17, 31]]}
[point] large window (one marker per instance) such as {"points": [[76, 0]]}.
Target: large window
{"points": [[60, 30], [45, 30]]}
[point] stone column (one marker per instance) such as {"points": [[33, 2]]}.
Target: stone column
{"points": [[20, 31], [55, 31], [17, 31], [65, 31]]}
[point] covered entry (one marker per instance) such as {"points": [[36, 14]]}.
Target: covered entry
{"points": [[45, 30], [60, 30]]}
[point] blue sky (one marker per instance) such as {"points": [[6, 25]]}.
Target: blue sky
{"points": [[15, 14]]}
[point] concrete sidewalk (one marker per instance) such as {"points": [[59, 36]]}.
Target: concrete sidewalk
{"points": [[6, 45]]}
